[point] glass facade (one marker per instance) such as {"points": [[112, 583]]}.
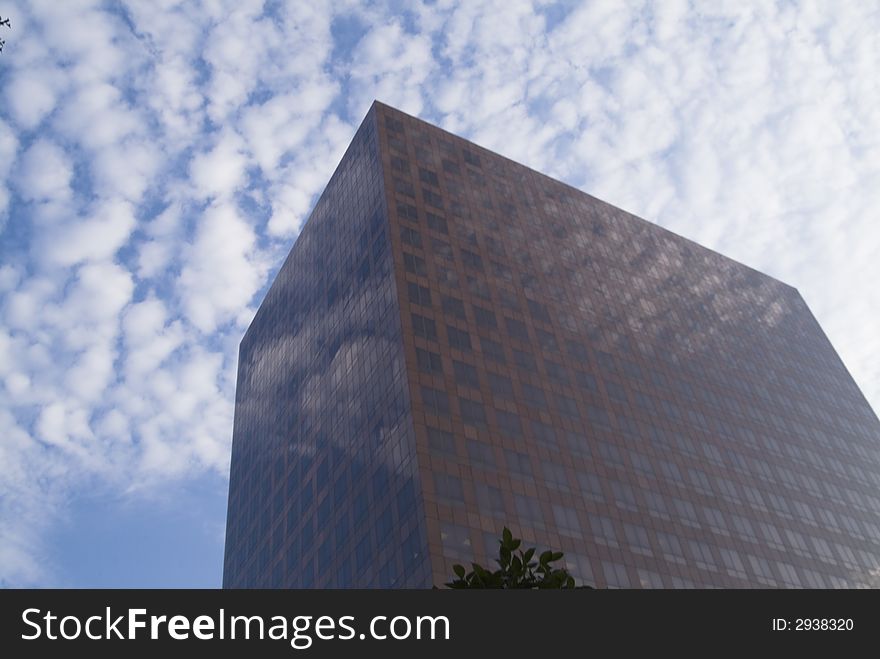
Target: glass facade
{"points": [[539, 359], [324, 488]]}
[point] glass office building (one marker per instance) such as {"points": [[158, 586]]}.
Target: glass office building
{"points": [[457, 343]]}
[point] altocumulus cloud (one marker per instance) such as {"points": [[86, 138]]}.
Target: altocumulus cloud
{"points": [[158, 158]]}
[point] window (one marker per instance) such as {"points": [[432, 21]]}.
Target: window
{"points": [[586, 381], [624, 496], [471, 158], [442, 249], [567, 520], [436, 402], [458, 338], [534, 396], [715, 518], [576, 351], [384, 523], [615, 391], [441, 441], [615, 575], [456, 541], [671, 547], [432, 198], [437, 223], [656, 504], [603, 530], [410, 237], [543, 433], [342, 532], [598, 417], [556, 371], [529, 510], [637, 539], [452, 306], [501, 386], [393, 125], [580, 568], [700, 480], [649, 579], [492, 350], [451, 167], [480, 454], [485, 318], [419, 294], [518, 464], [508, 423], [525, 360], [798, 543], [414, 264], [465, 374], [404, 187], [424, 327], [448, 489], [567, 406], [591, 486], [363, 554], [509, 299], [516, 329], [702, 554], [733, 563], [578, 444], [538, 311], [406, 499], [429, 362], [427, 176], [771, 536], [546, 340], [610, 454], [762, 570], [407, 212], [744, 527], [642, 463], [472, 412], [670, 471], [489, 500], [554, 475], [471, 260], [503, 272], [478, 287], [447, 276], [686, 512]]}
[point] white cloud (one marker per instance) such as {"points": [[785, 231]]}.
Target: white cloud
{"points": [[31, 96], [221, 171], [45, 172], [8, 149], [222, 272], [391, 65], [95, 238]]}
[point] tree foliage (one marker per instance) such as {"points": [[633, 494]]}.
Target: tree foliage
{"points": [[4, 22], [517, 569]]}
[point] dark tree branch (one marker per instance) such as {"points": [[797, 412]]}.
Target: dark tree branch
{"points": [[4, 22]]}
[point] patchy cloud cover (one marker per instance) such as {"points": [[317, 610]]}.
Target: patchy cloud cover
{"points": [[157, 159]]}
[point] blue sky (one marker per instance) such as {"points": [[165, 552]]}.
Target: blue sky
{"points": [[157, 159]]}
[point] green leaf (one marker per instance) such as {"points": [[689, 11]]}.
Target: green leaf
{"points": [[459, 571]]}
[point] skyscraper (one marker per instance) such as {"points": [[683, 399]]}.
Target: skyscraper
{"points": [[457, 343]]}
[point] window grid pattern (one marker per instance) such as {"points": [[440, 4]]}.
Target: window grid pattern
{"points": [[675, 400]]}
